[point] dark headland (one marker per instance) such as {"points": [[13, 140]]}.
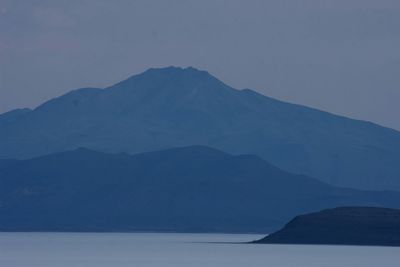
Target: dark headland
{"points": [[341, 226]]}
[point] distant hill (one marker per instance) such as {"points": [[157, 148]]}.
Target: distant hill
{"points": [[342, 226], [184, 189], [172, 107]]}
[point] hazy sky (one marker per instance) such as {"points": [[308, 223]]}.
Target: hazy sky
{"points": [[339, 56]]}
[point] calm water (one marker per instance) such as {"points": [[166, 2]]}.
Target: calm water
{"points": [[146, 249]]}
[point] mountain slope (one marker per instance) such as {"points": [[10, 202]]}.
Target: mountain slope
{"points": [[170, 107], [13, 115], [185, 189]]}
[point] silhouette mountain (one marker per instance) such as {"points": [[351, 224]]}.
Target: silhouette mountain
{"points": [[173, 107], [342, 226], [183, 189]]}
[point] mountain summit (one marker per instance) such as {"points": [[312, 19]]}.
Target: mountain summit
{"points": [[170, 107]]}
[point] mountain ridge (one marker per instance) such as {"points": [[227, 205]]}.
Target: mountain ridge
{"points": [[251, 91], [172, 107], [192, 188]]}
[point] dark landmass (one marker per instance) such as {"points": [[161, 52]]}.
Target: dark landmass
{"points": [[174, 107], [191, 189], [342, 226]]}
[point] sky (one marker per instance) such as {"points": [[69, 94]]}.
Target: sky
{"points": [[341, 56]]}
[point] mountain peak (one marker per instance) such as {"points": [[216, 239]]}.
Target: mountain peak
{"points": [[171, 76], [178, 72], [175, 69]]}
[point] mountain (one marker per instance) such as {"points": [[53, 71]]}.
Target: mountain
{"points": [[342, 226], [173, 107], [183, 189], [13, 115]]}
